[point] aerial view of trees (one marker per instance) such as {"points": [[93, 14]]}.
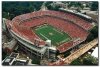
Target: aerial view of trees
{"points": [[12, 9], [52, 6], [94, 6], [86, 60], [93, 33]]}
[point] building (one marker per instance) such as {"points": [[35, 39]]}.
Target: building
{"points": [[13, 59], [66, 30], [10, 46]]}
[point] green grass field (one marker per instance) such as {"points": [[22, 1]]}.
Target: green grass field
{"points": [[49, 32]]}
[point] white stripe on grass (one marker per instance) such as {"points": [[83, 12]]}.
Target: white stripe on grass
{"points": [[57, 31], [44, 36], [40, 27], [64, 40]]}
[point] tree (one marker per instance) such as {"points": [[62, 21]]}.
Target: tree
{"points": [[52, 6], [76, 62], [94, 6], [4, 54], [90, 60], [18, 8], [93, 34], [90, 37], [94, 31], [77, 5], [86, 60], [35, 61]]}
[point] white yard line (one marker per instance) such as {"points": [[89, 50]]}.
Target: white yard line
{"points": [[57, 31], [44, 36], [41, 27], [63, 41]]}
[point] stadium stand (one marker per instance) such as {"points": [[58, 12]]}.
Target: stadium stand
{"points": [[73, 25]]}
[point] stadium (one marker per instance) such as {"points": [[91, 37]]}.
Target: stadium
{"points": [[42, 31]]}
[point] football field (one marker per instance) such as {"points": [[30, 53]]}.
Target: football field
{"points": [[48, 32]]}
